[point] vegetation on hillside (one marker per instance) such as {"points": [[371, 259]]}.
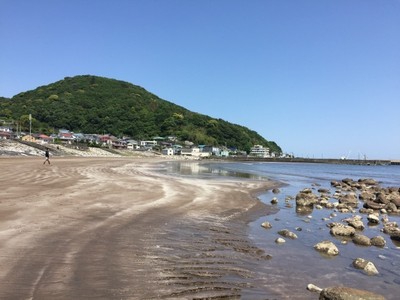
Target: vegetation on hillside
{"points": [[92, 104]]}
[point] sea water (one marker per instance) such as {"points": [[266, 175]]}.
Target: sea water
{"points": [[295, 263]]}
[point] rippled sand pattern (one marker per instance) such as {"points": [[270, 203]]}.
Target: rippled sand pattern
{"points": [[112, 229]]}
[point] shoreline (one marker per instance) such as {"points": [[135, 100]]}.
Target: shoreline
{"points": [[97, 227]]}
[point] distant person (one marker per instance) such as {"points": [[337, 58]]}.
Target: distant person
{"points": [[47, 156]]}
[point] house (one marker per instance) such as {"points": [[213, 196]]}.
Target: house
{"points": [[28, 138], [259, 151], [167, 151], [132, 144], [4, 135], [194, 151], [43, 139], [148, 144]]}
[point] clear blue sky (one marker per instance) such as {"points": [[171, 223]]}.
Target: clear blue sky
{"points": [[320, 78]]}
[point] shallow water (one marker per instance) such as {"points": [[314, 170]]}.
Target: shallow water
{"points": [[295, 263]]}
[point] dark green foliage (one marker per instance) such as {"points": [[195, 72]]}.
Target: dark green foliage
{"points": [[92, 104]]}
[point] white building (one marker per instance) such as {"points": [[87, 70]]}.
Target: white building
{"points": [[259, 151], [167, 151]]}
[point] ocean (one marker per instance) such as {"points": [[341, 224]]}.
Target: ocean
{"points": [[295, 263]]}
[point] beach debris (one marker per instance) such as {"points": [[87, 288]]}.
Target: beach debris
{"points": [[280, 240], [327, 247], [287, 233], [347, 293], [266, 225], [367, 266]]}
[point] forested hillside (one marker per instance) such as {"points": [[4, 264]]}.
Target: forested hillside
{"points": [[92, 104]]}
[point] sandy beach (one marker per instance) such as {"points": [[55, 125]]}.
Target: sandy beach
{"points": [[112, 228]]}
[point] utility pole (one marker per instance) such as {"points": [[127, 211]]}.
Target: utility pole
{"points": [[30, 125]]}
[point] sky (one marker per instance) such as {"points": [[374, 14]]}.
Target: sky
{"points": [[320, 78]]}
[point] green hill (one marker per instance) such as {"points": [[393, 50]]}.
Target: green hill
{"points": [[92, 104]]}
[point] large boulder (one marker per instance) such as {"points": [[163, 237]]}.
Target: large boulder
{"points": [[346, 293]]}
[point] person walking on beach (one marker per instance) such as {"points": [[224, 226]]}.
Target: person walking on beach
{"points": [[47, 155]]}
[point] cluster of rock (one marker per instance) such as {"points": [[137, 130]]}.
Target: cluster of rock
{"points": [[368, 202], [377, 201]]}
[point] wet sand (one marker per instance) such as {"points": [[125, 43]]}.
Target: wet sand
{"points": [[110, 228]]}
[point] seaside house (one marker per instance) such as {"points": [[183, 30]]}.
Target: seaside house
{"points": [[194, 151], [28, 138], [132, 145], [167, 151], [259, 151], [43, 139], [148, 145]]}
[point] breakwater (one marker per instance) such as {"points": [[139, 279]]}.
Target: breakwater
{"points": [[368, 162]]}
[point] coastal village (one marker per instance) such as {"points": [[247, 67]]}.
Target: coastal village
{"points": [[168, 146]]}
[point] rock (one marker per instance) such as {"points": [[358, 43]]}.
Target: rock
{"points": [[356, 223], [313, 288], [349, 199], [391, 207], [368, 181], [365, 265], [274, 200], [366, 210], [327, 247], [373, 205], [288, 234], [378, 241], [374, 219], [395, 200], [342, 230], [276, 191], [395, 235], [367, 196], [335, 183], [323, 191], [280, 240], [306, 198], [266, 225], [361, 239], [346, 293]]}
